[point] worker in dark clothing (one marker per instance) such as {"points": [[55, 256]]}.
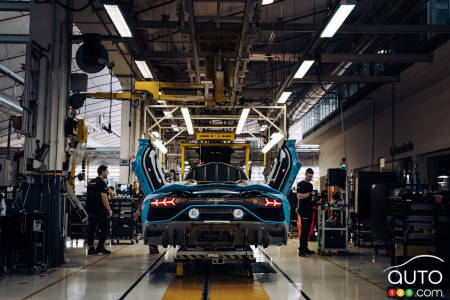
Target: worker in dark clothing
{"points": [[137, 193], [99, 211], [305, 211], [111, 192]]}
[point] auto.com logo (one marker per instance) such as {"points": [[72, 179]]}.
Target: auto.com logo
{"points": [[404, 279]]}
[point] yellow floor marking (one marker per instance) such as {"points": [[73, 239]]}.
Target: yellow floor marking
{"points": [[73, 273], [236, 288], [188, 287]]}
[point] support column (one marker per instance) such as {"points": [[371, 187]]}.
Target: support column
{"points": [[48, 63], [247, 159], [125, 133], [47, 81]]}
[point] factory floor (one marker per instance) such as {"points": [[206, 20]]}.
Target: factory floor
{"points": [[129, 272]]}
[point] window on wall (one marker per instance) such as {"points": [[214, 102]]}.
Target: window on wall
{"points": [[438, 12], [323, 108]]}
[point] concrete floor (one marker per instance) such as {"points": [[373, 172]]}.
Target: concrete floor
{"points": [[355, 276]]}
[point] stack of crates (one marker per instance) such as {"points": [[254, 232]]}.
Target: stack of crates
{"points": [[123, 226]]}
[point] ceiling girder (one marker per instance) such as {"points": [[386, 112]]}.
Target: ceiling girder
{"points": [[305, 28], [325, 57]]}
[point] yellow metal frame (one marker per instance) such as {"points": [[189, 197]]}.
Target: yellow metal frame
{"points": [[195, 145], [209, 136], [120, 96]]}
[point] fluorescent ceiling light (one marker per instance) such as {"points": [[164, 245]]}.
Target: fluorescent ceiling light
{"points": [[159, 144], [274, 139], [304, 67], [284, 96], [118, 19], [144, 69], [168, 114], [242, 119], [265, 2], [175, 128], [187, 120], [337, 19], [263, 127], [156, 134]]}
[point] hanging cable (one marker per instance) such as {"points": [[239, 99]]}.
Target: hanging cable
{"points": [[110, 99], [373, 132]]}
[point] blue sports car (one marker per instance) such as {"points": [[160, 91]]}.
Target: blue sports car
{"points": [[216, 206]]}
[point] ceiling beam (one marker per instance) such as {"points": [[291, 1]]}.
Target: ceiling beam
{"points": [[347, 79], [190, 6], [376, 58], [325, 57], [245, 22], [14, 5], [308, 28]]}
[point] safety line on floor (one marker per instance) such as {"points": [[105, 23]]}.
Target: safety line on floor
{"points": [[286, 276], [206, 285], [149, 269], [73, 273], [353, 273]]}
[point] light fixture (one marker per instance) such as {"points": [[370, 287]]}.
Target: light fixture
{"points": [[168, 114], [194, 213], [266, 2], [238, 214], [156, 134], [144, 69], [159, 144], [303, 69], [263, 127], [187, 120], [337, 19], [274, 139], [283, 98], [175, 128], [242, 119], [116, 16]]}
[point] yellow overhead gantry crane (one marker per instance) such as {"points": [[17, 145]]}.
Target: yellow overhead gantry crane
{"points": [[206, 92]]}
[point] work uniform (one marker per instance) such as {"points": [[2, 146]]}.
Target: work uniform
{"points": [[98, 214], [140, 195], [305, 211]]}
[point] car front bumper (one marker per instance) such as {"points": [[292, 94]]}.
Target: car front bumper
{"points": [[215, 234]]}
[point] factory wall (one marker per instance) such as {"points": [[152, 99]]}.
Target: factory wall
{"points": [[422, 110]]}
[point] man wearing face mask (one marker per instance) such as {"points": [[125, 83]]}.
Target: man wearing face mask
{"points": [[99, 211]]}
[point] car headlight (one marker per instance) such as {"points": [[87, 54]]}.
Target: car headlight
{"points": [[194, 213], [238, 214]]}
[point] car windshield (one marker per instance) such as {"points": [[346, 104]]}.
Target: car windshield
{"points": [[216, 173]]}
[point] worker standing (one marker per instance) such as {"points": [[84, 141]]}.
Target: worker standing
{"points": [[137, 193], [99, 211], [305, 211]]}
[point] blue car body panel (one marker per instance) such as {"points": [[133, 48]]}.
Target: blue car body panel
{"points": [[139, 171], [287, 160], [180, 186]]}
